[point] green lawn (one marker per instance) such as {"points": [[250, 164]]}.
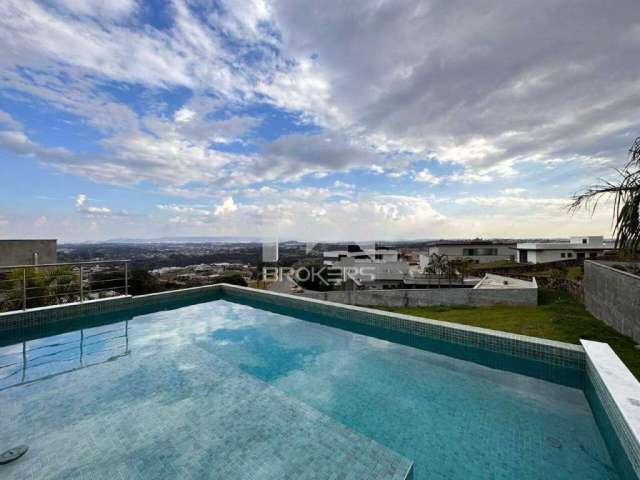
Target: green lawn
{"points": [[557, 317]]}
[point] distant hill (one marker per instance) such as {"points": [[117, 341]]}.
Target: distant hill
{"points": [[228, 239]]}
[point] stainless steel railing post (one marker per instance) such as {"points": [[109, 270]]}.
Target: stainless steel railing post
{"points": [[81, 285], [24, 288], [126, 278]]}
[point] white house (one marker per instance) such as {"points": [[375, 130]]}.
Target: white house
{"points": [[480, 251], [575, 248]]}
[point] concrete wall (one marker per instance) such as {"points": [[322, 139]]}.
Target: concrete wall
{"points": [[21, 252], [432, 296], [613, 296]]}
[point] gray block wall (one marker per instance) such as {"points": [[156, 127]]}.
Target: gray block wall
{"points": [[426, 297], [613, 296], [21, 252]]}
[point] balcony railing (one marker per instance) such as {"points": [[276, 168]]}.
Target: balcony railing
{"points": [[30, 286]]}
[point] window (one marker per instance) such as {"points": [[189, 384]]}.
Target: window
{"points": [[522, 256], [476, 252], [584, 240], [562, 255], [593, 254], [569, 255]]}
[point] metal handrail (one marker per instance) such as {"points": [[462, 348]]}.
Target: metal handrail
{"points": [[84, 283], [97, 262]]}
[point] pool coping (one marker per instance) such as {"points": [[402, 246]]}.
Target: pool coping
{"points": [[547, 351], [618, 392], [616, 388], [544, 350]]}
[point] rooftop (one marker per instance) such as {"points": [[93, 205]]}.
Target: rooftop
{"points": [[498, 281]]}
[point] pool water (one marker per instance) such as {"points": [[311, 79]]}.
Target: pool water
{"points": [[176, 370]]}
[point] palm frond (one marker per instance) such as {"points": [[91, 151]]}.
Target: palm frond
{"points": [[626, 201]]}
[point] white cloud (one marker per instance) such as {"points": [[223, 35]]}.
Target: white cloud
{"points": [[514, 201], [80, 199], [226, 207], [469, 177], [513, 191], [476, 151], [96, 210], [397, 174], [464, 84], [469, 82], [340, 184], [184, 115], [8, 122], [99, 8], [16, 141], [425, 176], [185, 209]]}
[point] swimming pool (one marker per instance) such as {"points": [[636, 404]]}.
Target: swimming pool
{"points": [[220, 388]]}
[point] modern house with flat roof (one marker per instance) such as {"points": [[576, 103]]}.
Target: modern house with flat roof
{"points": [[575, 248], [362, 254], [28, 252], [374, 274], [480, 251]]}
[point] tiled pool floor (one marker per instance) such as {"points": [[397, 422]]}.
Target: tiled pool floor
{"points": [[224, 390], [186, 414]]}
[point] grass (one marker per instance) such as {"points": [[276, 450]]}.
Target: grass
{"points": [[557, 317]]}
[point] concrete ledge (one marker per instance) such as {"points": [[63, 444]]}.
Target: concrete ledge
{"points": [[618, 392]]}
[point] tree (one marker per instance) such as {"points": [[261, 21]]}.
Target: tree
{"points": [[438, 265], [43, 286], [232, 278], [463, 266], [142, 282], [626, 201], [313, 275]]}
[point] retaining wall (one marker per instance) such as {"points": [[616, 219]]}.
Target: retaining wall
{"points": [[613, 296]]}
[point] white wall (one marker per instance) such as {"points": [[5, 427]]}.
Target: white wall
{"points": [[546, 256]]}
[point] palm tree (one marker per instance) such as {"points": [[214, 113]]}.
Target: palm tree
{"points": [[626, 204], [438, 265]]}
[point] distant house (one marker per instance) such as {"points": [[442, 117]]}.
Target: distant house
{"points": [[359, 254], [575, 248], [28, 252], [374, 274], [479, 251]]}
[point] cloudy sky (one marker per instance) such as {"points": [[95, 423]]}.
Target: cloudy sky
{"points": [[334, 120]]}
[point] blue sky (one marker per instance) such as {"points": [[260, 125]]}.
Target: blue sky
{"points": [[323, 121]]}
